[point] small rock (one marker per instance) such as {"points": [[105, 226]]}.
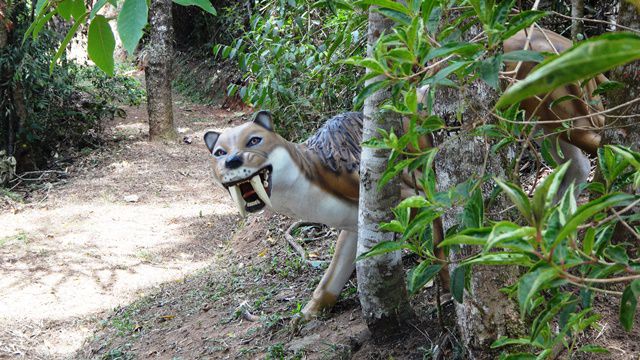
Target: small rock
{"points": [[303, 343], [187, 140], [310, 327], [131, 198]]}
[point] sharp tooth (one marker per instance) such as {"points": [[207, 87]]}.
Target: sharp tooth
{"points": [[259, 189], [236, 194]]}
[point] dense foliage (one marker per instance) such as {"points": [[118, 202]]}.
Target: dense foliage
{"points": [[291, 58], [46, 113], [567, 249]]}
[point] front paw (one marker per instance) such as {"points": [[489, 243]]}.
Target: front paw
{"points": [[310, 311]]}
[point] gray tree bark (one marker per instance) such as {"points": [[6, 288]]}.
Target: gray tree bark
{"points": [[4, 34], [486, 313], [577, 26], [381, 285], [625, 131], [158, 73]]}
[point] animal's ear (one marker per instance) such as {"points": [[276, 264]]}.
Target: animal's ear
{"points": [[210, 139], [263, 118]]}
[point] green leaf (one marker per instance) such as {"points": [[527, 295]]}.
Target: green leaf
{"points": [[98, 5], [505, 232], [523, 55], [589, 239], [66, 40], [421, 275], [589, 209], [462, 239], [422, 220], [64, 9], [387, 4], [383, 248], [396, 16], [78, 9], [584, 60], [629, 304], [464, 49], [489, 70], [518, 356], [617, 254], [530, 284], [202, 4], [131, 20], [402, 55], [40, 23], [473, 213], [593, 349], [373, 65], [501, 258], [518, 197], [607, 86], [411, 100], [522, 20], [457, 283], [631, 156], [368, 91], [546, 192], [41, 6], [101, 44], [504, 341], [415, 201]]}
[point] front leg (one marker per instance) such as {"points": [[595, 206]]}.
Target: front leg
{"points": [[342, 265]]}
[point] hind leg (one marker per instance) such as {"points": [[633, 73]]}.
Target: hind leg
{"points": [[338, 273], [579, 168]]}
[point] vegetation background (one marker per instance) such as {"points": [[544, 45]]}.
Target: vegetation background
{"points": [[568, 261]]}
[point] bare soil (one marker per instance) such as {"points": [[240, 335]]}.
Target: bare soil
{"points": [[136, 255], [131, 216]]}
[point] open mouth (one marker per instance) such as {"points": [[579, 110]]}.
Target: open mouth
{"points": [[252, 193]]}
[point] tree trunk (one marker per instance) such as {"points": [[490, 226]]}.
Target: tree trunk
{"points": [[577, 26], [486, 313], [4, 39], [625, 131], [4, 34], [158, 71], [381, 285]]}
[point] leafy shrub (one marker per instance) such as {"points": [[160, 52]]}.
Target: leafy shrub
{"points": [[45, 112], [291, 60], [567, 252]]}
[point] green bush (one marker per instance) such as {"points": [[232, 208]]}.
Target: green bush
{"points": [[566, 250], [291, 60], [46, 113]]}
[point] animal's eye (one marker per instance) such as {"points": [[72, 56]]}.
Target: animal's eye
{"points": [[254, 141], [219, 152]]}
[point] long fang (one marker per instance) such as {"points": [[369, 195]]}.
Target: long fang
{"points": [[256, 183]]}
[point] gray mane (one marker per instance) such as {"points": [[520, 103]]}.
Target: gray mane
{"points": [[337, 142]]}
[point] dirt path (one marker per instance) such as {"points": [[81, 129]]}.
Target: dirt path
{"points": [[132, 215]]}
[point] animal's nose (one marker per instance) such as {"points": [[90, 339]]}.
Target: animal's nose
{"points": [[233, 162]]}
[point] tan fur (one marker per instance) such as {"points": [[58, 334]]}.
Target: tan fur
{"points": [[583, 132]]}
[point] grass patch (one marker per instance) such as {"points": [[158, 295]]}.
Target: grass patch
{"points": [[20, 237], [13, 196]]}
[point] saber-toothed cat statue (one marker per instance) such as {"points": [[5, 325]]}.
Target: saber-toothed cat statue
{"points": [[318, 180]]}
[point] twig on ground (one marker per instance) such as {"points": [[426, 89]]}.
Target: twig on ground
{"points": [[294, 244], [244, 308]]}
